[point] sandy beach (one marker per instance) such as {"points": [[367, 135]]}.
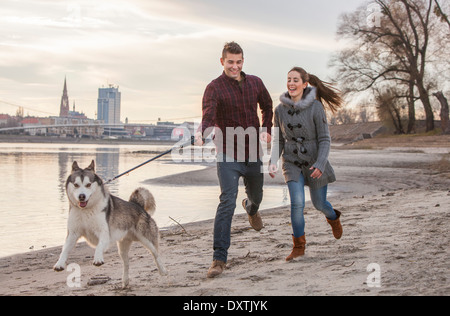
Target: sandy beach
{"points": [[395, 202]]}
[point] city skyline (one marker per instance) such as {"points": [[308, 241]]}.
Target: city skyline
{"points": [[162, 54]]}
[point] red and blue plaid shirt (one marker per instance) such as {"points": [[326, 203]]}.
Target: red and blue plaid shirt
{"points": [[230, 103]]}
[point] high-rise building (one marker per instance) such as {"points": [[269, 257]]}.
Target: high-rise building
{"points": [[64, 108], [108, 109]]}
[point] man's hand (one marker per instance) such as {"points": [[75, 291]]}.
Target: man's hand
{"points": [[198, 139]]}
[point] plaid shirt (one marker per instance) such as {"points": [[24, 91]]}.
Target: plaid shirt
{"points": [[229, 103]]}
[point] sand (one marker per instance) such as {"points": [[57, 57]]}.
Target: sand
{"points": [[395, 203]]}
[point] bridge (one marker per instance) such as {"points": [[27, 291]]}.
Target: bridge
{"points": [[98, 130], [8, 129]]}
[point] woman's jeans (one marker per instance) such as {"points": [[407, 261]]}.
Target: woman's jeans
{"points": [[318, 198], [229, 174]]}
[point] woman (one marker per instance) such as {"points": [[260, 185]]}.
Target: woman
{"points": [[303, 140]]}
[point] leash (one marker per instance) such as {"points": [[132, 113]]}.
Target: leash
{"points": [[189, 143]]}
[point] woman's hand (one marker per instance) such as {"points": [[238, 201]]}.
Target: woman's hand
{"points": [[273, 169], [317, 174], [265, 137]]}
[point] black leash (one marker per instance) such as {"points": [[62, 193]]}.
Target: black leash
{"points": [[189, 143]]}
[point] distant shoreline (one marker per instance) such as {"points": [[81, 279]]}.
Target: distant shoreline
{"points": [[21, 139]]}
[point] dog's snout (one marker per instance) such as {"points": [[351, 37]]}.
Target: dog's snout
{"points": [[82, 197]]}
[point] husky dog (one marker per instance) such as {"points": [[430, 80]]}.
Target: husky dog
{"points": [[103, 219]]}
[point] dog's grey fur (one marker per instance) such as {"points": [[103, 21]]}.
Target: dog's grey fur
{"points": [[103, 219]]}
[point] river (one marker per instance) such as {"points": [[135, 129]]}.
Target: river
{"points": [[34, 206]]}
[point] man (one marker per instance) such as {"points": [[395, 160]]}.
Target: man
{"points": [[230, 107]]}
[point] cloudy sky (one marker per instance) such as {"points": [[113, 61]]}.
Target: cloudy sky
{"points": [[161, 53]]}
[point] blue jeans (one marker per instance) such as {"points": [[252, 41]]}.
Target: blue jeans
{"points": [[229, 174], [318, 198]]}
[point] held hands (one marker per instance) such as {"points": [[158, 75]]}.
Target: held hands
{"points": [[273, 169], [199, 140], [265, 137]]}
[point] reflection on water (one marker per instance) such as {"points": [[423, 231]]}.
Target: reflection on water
{"points": [[33, 202]]}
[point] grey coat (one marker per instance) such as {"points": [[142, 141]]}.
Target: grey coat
{"points": [[303, 139]]}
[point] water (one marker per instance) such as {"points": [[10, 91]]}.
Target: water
{"points": [[33, 203]]}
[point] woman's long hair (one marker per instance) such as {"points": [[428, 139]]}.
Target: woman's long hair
{"points": [[326, 92]]}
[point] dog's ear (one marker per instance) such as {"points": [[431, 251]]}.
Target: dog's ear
{"points": [[75, 166], [91, 166]]}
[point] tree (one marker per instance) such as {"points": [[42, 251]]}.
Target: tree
{"points": [[445, 120], [440, 13], [392, 46], [345, 115], [390, 110]]}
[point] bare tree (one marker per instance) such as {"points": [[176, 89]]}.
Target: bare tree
{"points": [[393, 49], [445, 119], [390, 110], [440, 13]]}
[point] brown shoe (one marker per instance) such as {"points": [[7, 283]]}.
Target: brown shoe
{"points": [[336, 225], [299, 248], [216, 269], [255, 220]]}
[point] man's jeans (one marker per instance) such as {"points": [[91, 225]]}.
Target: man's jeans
{"points": [[318, 198], [229, 174]]}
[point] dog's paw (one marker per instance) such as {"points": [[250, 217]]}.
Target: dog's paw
{"points": [[98, 263], [58, 267]]}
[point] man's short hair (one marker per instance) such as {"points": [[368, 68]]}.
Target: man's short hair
{"points": [[232, 48]]}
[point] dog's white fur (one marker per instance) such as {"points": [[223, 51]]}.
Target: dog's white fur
{"points": [[103, 219]]}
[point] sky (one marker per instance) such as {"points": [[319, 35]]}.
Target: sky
{"points": [[161, 53]]}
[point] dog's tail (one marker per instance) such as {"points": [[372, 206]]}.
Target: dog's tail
{"points": [[145, 199]]}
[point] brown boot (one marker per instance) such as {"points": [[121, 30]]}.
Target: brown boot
{"points": [[299, 248], [255, 220], [336, 225], [216, 269]]}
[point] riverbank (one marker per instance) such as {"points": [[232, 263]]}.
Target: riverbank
{"points": [[395, 203]]}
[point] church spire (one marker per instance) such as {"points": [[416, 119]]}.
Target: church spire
{"points": [[64, 109]]}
